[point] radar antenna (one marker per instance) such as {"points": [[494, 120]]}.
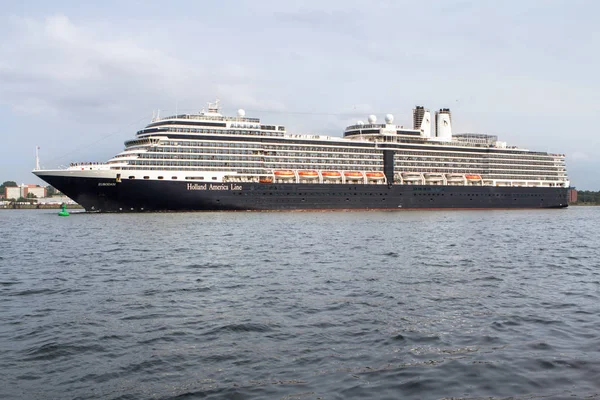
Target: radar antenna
{"points": [[213, 109]]}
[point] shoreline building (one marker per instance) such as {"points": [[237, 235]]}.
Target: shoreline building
{"points": [[14, 192]]}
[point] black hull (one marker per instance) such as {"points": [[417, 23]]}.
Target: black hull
{"points": [[106, 195]]}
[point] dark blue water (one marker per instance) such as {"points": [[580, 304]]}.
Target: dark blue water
{"points": [[305, 305]]}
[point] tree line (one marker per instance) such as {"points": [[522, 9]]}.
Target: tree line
{"points": [[587, 197], [9, 184]]}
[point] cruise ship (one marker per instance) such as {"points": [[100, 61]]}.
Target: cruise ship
{"points": [[209, 161]]}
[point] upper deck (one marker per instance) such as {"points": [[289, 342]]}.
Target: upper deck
{"points": [[211, 123]]}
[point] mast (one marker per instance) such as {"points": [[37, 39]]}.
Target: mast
{"points": [[37, 158]]}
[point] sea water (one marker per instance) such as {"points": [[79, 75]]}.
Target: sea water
{"points": [[300, 305]]}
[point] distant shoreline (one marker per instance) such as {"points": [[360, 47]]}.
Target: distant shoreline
{"points": [[40, 207]]}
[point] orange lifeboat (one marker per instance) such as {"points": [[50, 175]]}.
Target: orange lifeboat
{"points": [[331, 174], [473, 177], [284, 174], [353, 175], [266, 180], [375, 175], [308, 174]]}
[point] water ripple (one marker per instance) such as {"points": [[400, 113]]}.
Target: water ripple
{"points": [[447, 305]]}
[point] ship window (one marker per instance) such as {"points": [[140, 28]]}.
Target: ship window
{"points": [[214, 178], [173, 177], [146, 177], [132, 177], [160, 177]]}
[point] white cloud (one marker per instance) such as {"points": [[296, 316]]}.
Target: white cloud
{"points": [[56, 67], [522, 71]]}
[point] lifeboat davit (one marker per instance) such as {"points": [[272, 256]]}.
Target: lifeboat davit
{"points": [[284, 174], [355, 175], [331, 174], [473, 177], [375, 175], [308, 174]]}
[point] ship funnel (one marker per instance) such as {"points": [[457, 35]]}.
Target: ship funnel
{"points": [[422, 121], [443, 125]]}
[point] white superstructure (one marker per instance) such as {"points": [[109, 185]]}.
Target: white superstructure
{"points": [[210, 147]]}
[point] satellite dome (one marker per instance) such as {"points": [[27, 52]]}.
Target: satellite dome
{"points": [[389, 118], [241, 112], [360, 123], [372, 119]]}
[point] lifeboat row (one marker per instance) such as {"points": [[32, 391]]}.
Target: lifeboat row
{"points": [[311, 174], [439, 178], [410, 177]]}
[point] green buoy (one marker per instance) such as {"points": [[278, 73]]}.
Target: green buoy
{"points": [[63, 212]]}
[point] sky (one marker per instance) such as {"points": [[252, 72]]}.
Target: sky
{"points": [[77, 78]]}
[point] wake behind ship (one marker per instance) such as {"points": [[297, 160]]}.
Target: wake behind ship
{"points": [[208, 161]]}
